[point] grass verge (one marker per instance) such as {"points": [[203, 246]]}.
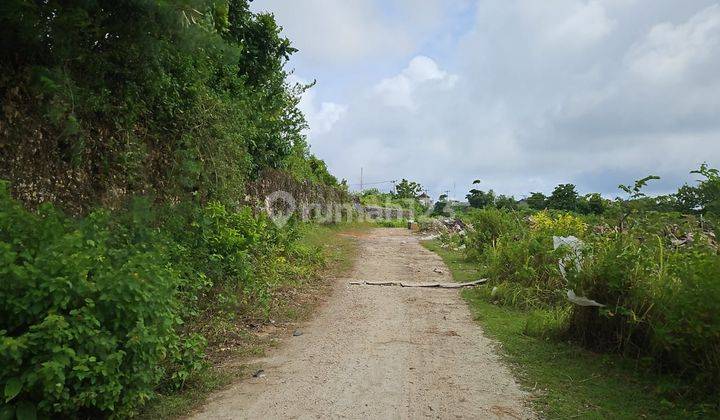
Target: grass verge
{"points": [[293, 301], [565, 380]]}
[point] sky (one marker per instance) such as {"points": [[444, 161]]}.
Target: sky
{"points": [[523, 95]]}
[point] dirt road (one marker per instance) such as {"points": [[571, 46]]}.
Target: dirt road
{"points": [[381, 351]]}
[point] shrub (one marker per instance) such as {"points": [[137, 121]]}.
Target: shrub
{"points": [[97, 313], [488, 224], [519, 261], [617, 272], [661, 304], [528, 262], [86, 325], [686, 322]]}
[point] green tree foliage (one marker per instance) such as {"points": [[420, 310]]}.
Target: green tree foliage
{"points": [[104, 99], [686, 199], [708, 190], [563, 197], [407, 200], [506, 202], [591, 204], [635, 191], [480, 199], [536, 200], [407, 189], [637, 199], [441, 206]]}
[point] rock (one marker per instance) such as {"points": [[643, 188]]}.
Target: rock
{"points": [[259, 374], [437, 270], [297, 333]]}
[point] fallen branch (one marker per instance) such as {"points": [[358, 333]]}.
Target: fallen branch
{"points": [[408, 284]]}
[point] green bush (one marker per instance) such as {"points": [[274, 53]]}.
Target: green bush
{"points": [[686, 330], [98, 313], [392, 223], [488, 224], [86, 326], [621, 274], [661, 304]]}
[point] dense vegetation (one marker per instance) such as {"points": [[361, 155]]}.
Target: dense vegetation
{"points": [[107, 99], [655, 273], [99, 312], [130, 132]]}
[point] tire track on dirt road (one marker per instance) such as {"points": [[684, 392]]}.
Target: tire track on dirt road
{"points": [[381, 352]]}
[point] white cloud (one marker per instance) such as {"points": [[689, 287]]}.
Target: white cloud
{"points": [[399, 90], [585, 24], [340, 33], [320, 116], [328, 32], [670, 52], [328, 114]]}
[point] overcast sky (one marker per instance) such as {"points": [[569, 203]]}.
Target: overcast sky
{"points": [[523, 95]]}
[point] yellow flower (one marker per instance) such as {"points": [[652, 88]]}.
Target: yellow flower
{"points": [[564, 224]]}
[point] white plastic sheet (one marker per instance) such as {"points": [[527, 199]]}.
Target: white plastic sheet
{"points": [[575, 246]]}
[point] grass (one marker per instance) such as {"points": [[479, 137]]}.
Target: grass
{"points": [[196, 390], [566, 381], [293, 302], [337, 242]]}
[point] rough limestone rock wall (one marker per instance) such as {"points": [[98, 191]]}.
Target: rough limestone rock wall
{"points": [[279, 191]]}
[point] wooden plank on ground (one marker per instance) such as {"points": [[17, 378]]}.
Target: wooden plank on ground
{"points": [[427, 285]]}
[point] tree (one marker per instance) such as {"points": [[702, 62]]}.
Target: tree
{"points": [[408, 189], [441, 206], [687, 199], [536, 201], [506, 202], [708, 190], [480, 199], [596, 203], [563, 197], [171, 98], [591, 204]]}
